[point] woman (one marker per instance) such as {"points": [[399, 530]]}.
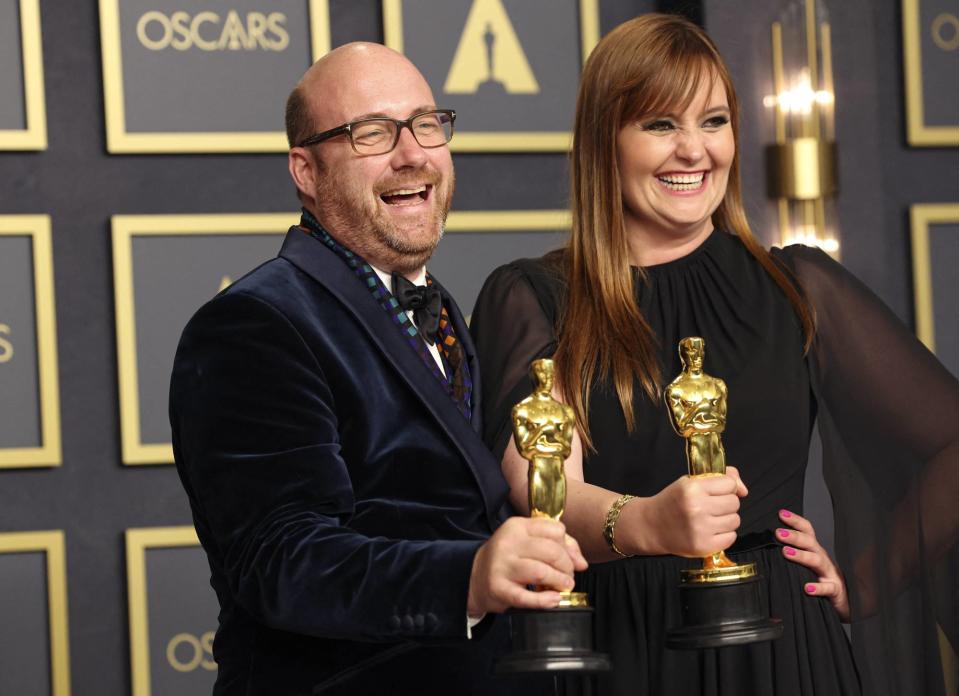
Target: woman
{"points": [[660, 249]]}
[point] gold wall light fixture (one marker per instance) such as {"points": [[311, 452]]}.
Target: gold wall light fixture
{"points": [[801, 164]]}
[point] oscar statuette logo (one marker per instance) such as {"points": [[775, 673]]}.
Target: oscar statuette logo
{"points": [[210, 31], [489, 58], [723, 603], [186, 652], [945, 31], [6, 347]]}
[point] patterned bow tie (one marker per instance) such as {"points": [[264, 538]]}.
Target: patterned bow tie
{"points": [[426, 303]]}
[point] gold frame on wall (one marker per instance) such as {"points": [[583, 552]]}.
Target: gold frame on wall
{"points": [[119, 140], [917, 132], [505, 141], [138, 541], [508, 221], [51, 544], [921, 216], [34, 136], [125, 227], [48, 453]]}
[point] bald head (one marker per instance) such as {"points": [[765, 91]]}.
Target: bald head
{"points": [[388, 207], [350, 74]]}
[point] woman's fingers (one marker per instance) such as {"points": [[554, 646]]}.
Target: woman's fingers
{"points": [[725, 523], [800, 546], [816, 562], [694, 515], [721, 542], [714, 484], [800, 540], [797, 522], [741, 489], [719, 505], [823, 588]]}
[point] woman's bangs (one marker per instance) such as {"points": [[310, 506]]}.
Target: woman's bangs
{"points": [[671, 87]]}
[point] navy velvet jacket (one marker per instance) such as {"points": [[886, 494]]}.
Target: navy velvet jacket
{"points": [[337, 490]]}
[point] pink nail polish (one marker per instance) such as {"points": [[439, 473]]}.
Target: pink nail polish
{"points": [[785, 513], [790, 551], [810, 589], [784, 533]]}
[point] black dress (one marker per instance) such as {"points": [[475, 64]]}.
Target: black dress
{"points": [[755, 343]]}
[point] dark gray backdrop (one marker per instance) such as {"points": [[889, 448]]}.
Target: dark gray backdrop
{"points": [[95, 499]]}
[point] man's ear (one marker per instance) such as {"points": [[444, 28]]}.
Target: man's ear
{"points": [[303, 171]]}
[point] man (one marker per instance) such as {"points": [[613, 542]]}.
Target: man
{"points": [[327, 435]]}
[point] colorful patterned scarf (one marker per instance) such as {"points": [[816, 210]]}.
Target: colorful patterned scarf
{"points": [[457, 381]]}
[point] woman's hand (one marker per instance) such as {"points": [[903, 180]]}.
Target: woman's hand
{"points": [[693, 517], [801, 546]]}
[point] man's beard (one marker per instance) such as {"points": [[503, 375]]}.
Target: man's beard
{"points": [[365, 227]]}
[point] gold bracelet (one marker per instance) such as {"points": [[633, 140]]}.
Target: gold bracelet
{"points": [[609, 527]]}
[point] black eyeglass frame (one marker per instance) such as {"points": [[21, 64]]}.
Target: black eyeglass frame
{"points": [[347, 128]]}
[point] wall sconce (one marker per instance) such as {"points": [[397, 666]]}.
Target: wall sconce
{"points": [[801, 165]]}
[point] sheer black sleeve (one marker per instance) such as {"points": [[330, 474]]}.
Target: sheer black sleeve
{"points": [[888, 415], [512, 324]]}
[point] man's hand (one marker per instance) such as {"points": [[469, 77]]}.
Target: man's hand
{"points": [[523, 551], [693, 517]]}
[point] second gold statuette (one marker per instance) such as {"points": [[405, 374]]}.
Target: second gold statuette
{"points": [[722, 603]]}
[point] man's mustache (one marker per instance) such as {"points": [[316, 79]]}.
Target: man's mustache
{"points": [[426, 175]]}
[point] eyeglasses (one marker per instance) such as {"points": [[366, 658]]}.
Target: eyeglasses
{"points": [[377, 136]]}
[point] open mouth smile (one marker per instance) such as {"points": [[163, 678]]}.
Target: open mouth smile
{"points": [[680, 182], [411, 195]]}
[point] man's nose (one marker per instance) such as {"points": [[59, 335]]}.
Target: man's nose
{"points": [[408, 152]]}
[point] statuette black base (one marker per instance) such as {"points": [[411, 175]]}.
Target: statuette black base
{"points": [[720, 614], [552, 640]]}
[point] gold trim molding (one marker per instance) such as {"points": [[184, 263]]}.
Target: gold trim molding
{"points": [[138, 542], [52, 545], [125, 228], [921, 216], [34, 136], [48, 453], [917, 132], [121, 141]]}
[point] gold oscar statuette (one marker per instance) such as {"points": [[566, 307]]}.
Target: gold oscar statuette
{"points": [[722, 603], [558, 639], [697, 410], [543, 432]]}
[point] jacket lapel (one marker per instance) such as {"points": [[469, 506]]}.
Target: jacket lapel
{"points": [[322, 264]]}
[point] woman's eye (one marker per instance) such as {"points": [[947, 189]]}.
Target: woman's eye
{"points": [[717, 122], [658, 126]]}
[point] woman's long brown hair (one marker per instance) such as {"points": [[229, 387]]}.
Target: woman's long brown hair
{"points": [[650, 64]]}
